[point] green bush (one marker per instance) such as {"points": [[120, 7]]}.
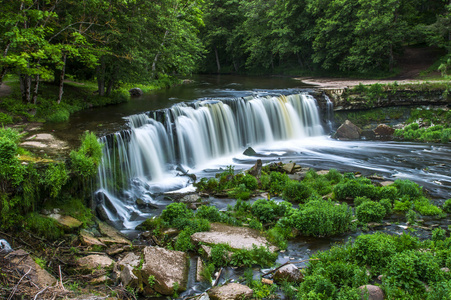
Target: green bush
{"points": [[297, 192], [175, 211], [61, 115], [43, 226], [5, 119], [370, 211], [86, 159], [334, 176], [268, 211], [361, 187], [426, 208], [322, 218], [447, 206], [55, 178], [374, 250], [276, 182], [210, 213], [387, 204], [388, 192], [402, 205], [250, 182], [407, 188]]}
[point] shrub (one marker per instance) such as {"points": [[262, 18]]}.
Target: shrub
{"points": [[316, 287], [447, 206], [334, 176], [250, 182], [55, 178], [387, 204], [61, 115], [220, 255], [321, 218], [356, 188], [370, 211], [175, 211], [210, 213], [43, 226], [402, 205], [86, 159], [5, 119], [426, 208], [388, 192], [276, 182], [374, 250], [297, 192], [407, 188], [268, 211], [438, 234], [360, 200]]}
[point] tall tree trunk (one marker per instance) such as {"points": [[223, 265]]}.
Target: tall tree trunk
{"points": [[61, 79], [236, 65], [300, 61], [109, 87], [25, 87], [37, 79], [101, 77], [218, 64], [155, 60], [2, 74]]}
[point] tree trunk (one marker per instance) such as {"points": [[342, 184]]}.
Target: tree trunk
{"points": [[300, 60], [236, 66], [109, 87], [61, 79], [25, 87], [154, 64], [37, 79], [2, 74], [218, 64], [101, 77]]}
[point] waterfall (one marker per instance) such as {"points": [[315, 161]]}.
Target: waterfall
{"points": [[329, 114], [138, 163]]}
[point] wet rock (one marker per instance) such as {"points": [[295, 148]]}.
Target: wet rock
{"points": [[386, 183], [250, 152], [231, 291], [267, 281], [136, 92], [384, 132], [289, 168], [131, 259], [117, 249], [190, 198], [128, 277], [288, 273], [102, 213], [256, 170], [95, 261], [24, 263], [371, 292], [66, 222], [236, 237], [348, 131], [199, 269], [5, 247], [367, 134], [169, 268]]}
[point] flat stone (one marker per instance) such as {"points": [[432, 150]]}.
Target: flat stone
{"points": [[169, 268], [322, 172], [289, 167], [66, 221], [231, 291], [236, 237], [89, 240], [371, 292], [386, 183], [100, 280], [190, 198], [128, 277], [267, 281], [117, 249], [95, 261], [23, 262], [131, 259], [112, 235]]}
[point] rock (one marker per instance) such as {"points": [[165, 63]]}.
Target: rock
{"points": [[66, 222], [371, 292], [384, 132], [89, 240], [207, 250], [446, 270], [288, 273], [95, 261], [190, 198], [128, 278], [250, 152], [267, 281], [348, 131], [203, 296], [322, 172], [236, 237], [170, 268], [386, 183], [289, 168], [100, 280], [117, 249], [256, 170], [136, 92], [112, 235], [24, 263], [367, 134], [199, 269], [102, 213], [5, 247], [231, 291]]}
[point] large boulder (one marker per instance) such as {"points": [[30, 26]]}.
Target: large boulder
{"points": [[384, 132], [371, 292], [288, 273], [231, 291], [169, 268], [348, 131], [136, 92], [25, 264], [236, 237]]}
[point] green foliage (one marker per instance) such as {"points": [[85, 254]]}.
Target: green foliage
{"points": [[426, 208], [269, 211], [297, 192], [438, 234], [355, 188], [220, 255], [370, 211], [256, 256], [211, 213], [85, 160], [321, 218], [43, 226], [334, 176], [55, 178], [408, 188], [175, 211], [61, 115], [447, 206], [402, 205], [276, 182], [374, 250]]}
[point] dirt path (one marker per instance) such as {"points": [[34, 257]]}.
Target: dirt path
{"points": [[4, 90]]}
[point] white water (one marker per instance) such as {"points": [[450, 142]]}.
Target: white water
{"points": [[142, 161]]}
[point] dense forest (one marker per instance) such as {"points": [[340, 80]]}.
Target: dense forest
{"points": [[120, 41]]}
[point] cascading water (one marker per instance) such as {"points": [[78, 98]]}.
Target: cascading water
{"points": [[142, 161]]}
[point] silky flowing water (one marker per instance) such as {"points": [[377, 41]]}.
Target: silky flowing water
{"points": [[204, 127]]}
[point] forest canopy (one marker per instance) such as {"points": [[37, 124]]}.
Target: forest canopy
{"points": [[140, 40]]}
